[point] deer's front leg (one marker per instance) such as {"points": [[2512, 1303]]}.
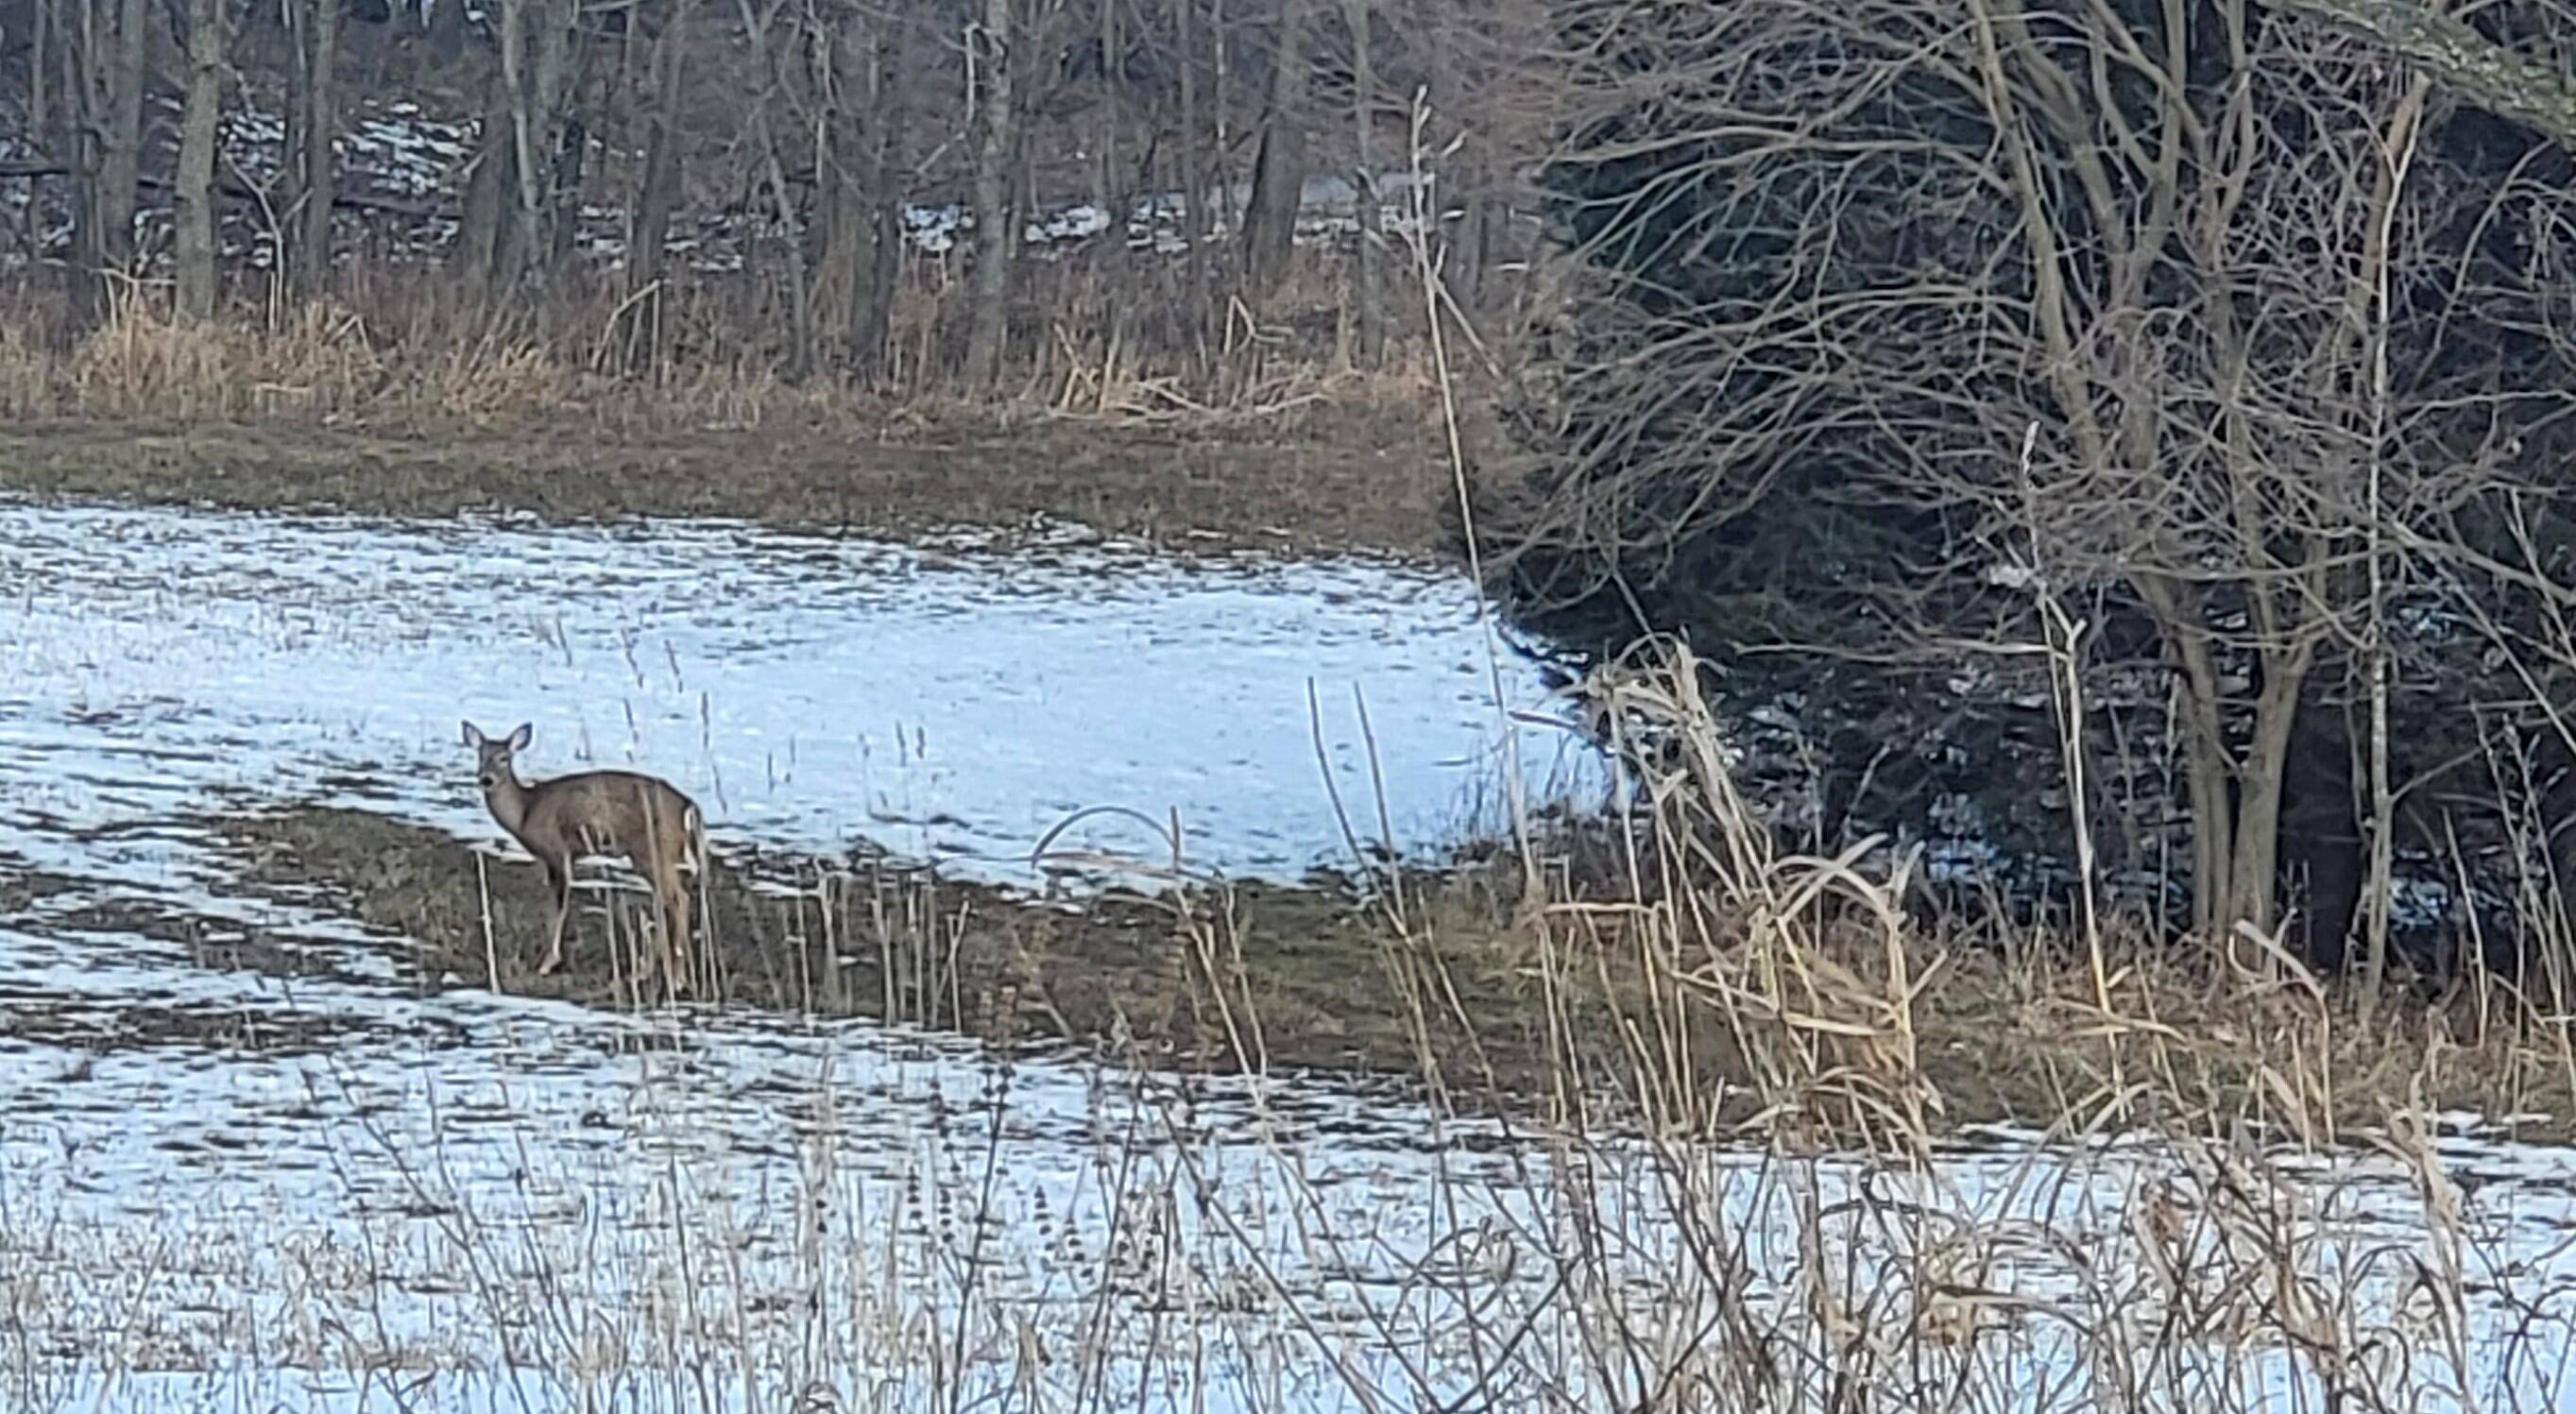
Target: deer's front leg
{"points": [[559, 892]]}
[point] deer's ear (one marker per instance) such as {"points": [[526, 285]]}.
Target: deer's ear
{"points": [[472, 737], [519, 739]]}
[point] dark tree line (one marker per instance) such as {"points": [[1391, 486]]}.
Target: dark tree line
{"points": [[814, 125]]}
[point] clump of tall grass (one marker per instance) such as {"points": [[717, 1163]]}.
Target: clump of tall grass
{"points": [[27, 376], [144, 362]]}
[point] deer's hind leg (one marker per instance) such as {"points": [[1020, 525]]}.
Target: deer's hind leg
{"points": [[673, 897]]}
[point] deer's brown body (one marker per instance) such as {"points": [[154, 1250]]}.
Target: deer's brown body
{"points": [[615, 814]]}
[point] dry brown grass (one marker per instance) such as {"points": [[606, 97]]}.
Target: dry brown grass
{"points": [[145, 363], [399, 349], [396, 396], [1742, 973], [26, 376]]}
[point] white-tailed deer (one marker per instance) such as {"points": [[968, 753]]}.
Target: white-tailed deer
{"points": [[616, 814]]}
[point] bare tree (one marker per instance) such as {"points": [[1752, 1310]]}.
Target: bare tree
{"points": [[872, 113], [1359, 15], [892, 191], [525, 233], [1279, 163], [1215, 98], [110, 49], [658, 189], [193, 189], [992, 60], [536, 57], [482, 247], [757, 24], [1113, 111], [40, 62], [2247, 430], [2444, 47], [1196, 228], [319, 124]]}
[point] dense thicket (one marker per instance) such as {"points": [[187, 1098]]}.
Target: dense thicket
{"points": [[2285, 327]]}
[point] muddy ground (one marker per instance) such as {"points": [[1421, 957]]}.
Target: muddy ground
{"points": [[1320, 977], [1356, 483]]}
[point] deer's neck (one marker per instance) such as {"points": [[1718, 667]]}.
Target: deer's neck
{"points": [[509, 804]]}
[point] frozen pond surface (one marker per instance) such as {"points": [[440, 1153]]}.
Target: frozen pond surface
{"points": [[809, 692], [233, 1190]]}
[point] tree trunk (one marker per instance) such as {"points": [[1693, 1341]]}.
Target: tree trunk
{"points": [[2213, 838], [1456, 181], [1112, 181], [286, 192], [534, 73], [1372, 317], [483, 237], [2444, 47], [193, 192], [42, 99], [562, 137], [989, 51], [800, 352], [838, 231], [321, 180], [828, 151], [1194, 186], [1223, 116], [800, 303], [39, 57], [523, 148], [2258, 792], [1279, 166], [118, 134], [875, 227], [660, 192], [894, 190], [2210, 769]]}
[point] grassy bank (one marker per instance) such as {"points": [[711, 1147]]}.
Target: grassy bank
{"points": [[1448, 982]]}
